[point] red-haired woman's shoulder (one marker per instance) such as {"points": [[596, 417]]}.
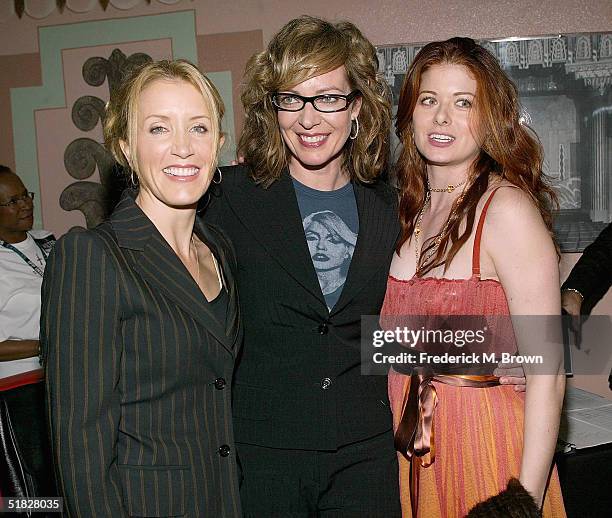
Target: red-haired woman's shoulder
{"points": [[513, 222], [509, 200]]}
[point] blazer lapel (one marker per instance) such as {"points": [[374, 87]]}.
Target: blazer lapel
{"points": [[273, 217], [159, 266], [214, 242], [378, 233]]}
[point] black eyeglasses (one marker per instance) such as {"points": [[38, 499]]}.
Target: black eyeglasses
{"points": [[326, 103], [27, 197]]}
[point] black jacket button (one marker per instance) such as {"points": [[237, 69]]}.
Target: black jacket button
{"points": [[224, 450], [322, 329], [220, 383]]}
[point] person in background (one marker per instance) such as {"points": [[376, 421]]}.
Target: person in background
{"points": [[26, 461], [476, 240], [140, 325], [589, 280], [591, 277]]}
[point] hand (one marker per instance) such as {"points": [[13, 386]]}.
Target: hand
{"points": [[571, 302], [240, 160], [510, 374]]}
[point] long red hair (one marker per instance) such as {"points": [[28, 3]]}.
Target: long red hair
{"points": [[508, 147]]}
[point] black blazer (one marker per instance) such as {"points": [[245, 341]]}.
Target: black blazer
{"points": [[139, 374], [298, 383], [592, 274]]}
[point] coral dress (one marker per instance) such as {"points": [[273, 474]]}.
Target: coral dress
{"points": [[478, 430]]}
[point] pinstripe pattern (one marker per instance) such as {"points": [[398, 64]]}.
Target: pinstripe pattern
{"points": [[132, 353]]}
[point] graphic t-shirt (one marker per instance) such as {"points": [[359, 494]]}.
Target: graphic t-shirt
{"points": [[331, 225]]}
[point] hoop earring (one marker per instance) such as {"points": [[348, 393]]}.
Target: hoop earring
{"points": [[351, 136], [220, 176], [203, 203], [134, 179]]}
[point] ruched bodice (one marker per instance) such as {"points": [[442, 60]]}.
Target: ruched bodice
{"points": [[439, 296]]}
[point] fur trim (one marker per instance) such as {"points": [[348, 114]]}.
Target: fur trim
{"points": [[513, 502]]}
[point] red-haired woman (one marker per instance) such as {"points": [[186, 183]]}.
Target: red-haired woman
{"points": [[475, 240]]}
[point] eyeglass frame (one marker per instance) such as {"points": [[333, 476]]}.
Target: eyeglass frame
{"points": [[349, 98], [29, 195]]}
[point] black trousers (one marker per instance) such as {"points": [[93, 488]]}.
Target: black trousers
{"points": [[357, 480], [26, 411]]}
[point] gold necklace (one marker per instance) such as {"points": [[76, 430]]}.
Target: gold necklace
{"points": [[417, 232], [438, 237], [449, 188]]}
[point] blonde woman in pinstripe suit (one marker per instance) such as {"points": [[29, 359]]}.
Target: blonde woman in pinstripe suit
{"points": [[140, 323]]}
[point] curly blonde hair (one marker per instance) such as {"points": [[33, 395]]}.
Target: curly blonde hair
{"points": [[304, 48], [120, 121]]}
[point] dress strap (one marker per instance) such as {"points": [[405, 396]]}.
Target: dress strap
{"points": [[478, 236]]}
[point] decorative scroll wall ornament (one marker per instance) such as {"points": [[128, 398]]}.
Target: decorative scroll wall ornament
{"points": [[83, 156], [87, 112], [19, 7], [565, 85], [84, 196], [42, 8], [96, 70]]}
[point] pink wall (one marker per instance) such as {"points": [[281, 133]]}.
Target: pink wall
{"points": [[383, 21]]}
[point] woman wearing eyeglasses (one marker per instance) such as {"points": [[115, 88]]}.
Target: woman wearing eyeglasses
{"points": [[23, 253], [313, 435]]}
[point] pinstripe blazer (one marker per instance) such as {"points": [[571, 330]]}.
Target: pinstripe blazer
{"points": [[139, 374]]}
